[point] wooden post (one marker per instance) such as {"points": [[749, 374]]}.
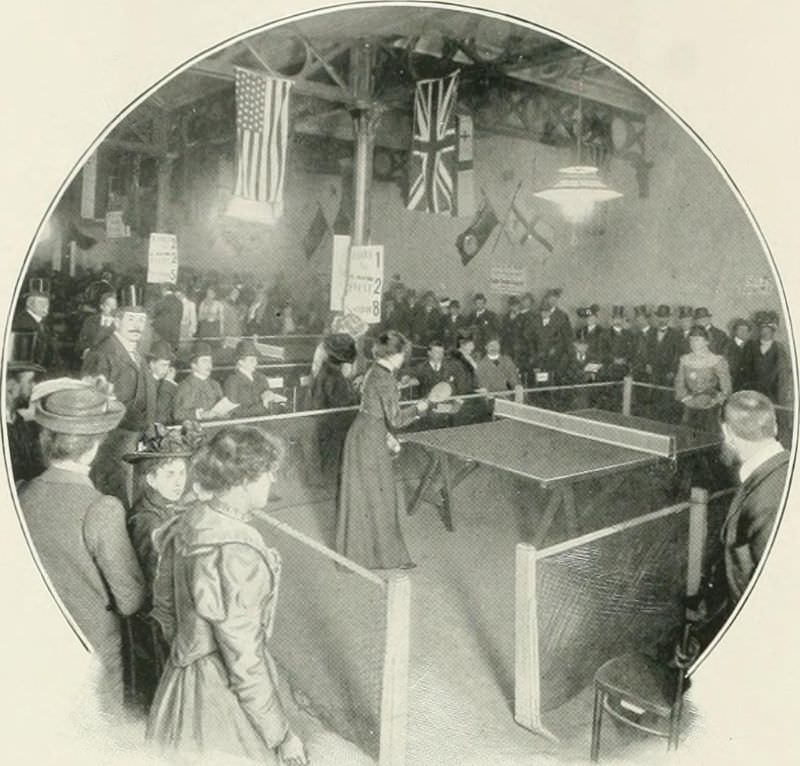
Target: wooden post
{"points": [[627, 394], [394, 690], [162, 192], [698, 532]]}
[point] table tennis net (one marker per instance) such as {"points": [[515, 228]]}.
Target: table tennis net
{"points": [[576, 425]]}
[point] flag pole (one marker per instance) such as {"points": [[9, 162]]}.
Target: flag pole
{"points": [[505, 218]]}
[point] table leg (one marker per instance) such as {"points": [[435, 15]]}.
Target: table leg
{"points": [[570, 514], [427, 480], [553, 504], [447, 491]]}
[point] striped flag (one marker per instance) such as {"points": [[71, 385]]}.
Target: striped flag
{"points": [[432, 169], [262, 132]]}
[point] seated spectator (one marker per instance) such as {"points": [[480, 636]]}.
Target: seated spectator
{"points": [[435, 369], [22, 431], [248, 388], [97, 326], [161, 361], [496, 371], [465, 380], [199, 392]]}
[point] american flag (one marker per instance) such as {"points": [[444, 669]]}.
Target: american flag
{"points": [[433, 154], [262, 131]]}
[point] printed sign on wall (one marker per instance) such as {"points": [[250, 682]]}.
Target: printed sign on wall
{"points": [[365, 283], [162, 259], [508, 280]]}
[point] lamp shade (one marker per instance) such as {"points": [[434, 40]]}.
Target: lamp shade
{"points": [[578, 189]]}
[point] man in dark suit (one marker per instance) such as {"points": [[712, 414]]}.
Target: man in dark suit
{"points": [[749, 429], [167, 316], [427, 320], [435, 369], [33, 320], [98, 326], [484, 322], [117, 358], [735, 353], [663, 353], [553, 334], [453, 323], [621, 346], [247, 387], [685, 322], [717, 339], [592, 334]]}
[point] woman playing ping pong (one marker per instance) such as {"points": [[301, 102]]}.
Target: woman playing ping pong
{"points": [[368, 524]]}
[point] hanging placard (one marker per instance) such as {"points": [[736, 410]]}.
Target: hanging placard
{"points": [[365, 283], [162, 259], [508, 280], [115, 226]]}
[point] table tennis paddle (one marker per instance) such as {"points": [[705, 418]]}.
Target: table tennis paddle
{"points": [[441, 392]]}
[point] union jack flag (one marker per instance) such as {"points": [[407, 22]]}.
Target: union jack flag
{"points": [[432, 169], [262, 131]]}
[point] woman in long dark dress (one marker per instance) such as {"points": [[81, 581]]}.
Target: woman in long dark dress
{"points": [[368, 525], [332, 388]]}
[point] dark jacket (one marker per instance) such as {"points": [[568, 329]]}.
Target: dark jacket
{"points": [[134, 386], [167, 316], [663, 355], [246, 393], [428, 377], [92, 332], [750, 519], [485, 325], [426, 325], [737, 363], [620, 353], [45, 351], [553, 343], [450, 328], [770, 373]]}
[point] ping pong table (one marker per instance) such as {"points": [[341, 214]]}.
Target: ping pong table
{"points": [[556, 451]]}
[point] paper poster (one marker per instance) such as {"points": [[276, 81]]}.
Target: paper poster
{"points": [[162, 259], [508, 280], [341, 251], [365, 283], [115, 226]]}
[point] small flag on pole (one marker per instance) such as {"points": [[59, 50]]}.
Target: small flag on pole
{"points": [[262, 133], [465, 178], [316, 233], [432, 167], [470, 241]]}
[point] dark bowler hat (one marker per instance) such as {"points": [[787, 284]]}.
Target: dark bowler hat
{"points": [[23, 352], [479, 297], [340, 348], [201, 349], [641, 311], [702, 313], [741, 321], [161, 443], [131, 298], [245, 348], [617, 311], [766, 319], [84, 411], [554, 292], [685, 312], [663, 311], [161, 350]]}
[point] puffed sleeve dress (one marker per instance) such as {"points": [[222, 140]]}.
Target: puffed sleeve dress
{"points": [[368, 523], [703, 381], [214, 596]]}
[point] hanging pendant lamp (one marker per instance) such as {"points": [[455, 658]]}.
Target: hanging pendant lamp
{"points": [[578, 188]]}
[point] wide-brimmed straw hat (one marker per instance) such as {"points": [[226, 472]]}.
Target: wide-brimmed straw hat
{"points": [[80, 410]]}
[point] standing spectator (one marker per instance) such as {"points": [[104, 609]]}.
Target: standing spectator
{"points": [[231, 315], [119, 360], [256, 312], [332, 388], [427, 320], [702, 383], [686, 322], [509, 328], [717, 339], [484, 323], [97, 326], [735, 353], [553, 334], [591, 333], [79, 533], [22, 431], [161, 361], [167, 316], [209, 315], [188, 316], [663, 354], [215, 598], [621, 346]]}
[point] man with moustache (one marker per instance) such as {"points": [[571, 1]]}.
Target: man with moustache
{"points": [[118, 360]]}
